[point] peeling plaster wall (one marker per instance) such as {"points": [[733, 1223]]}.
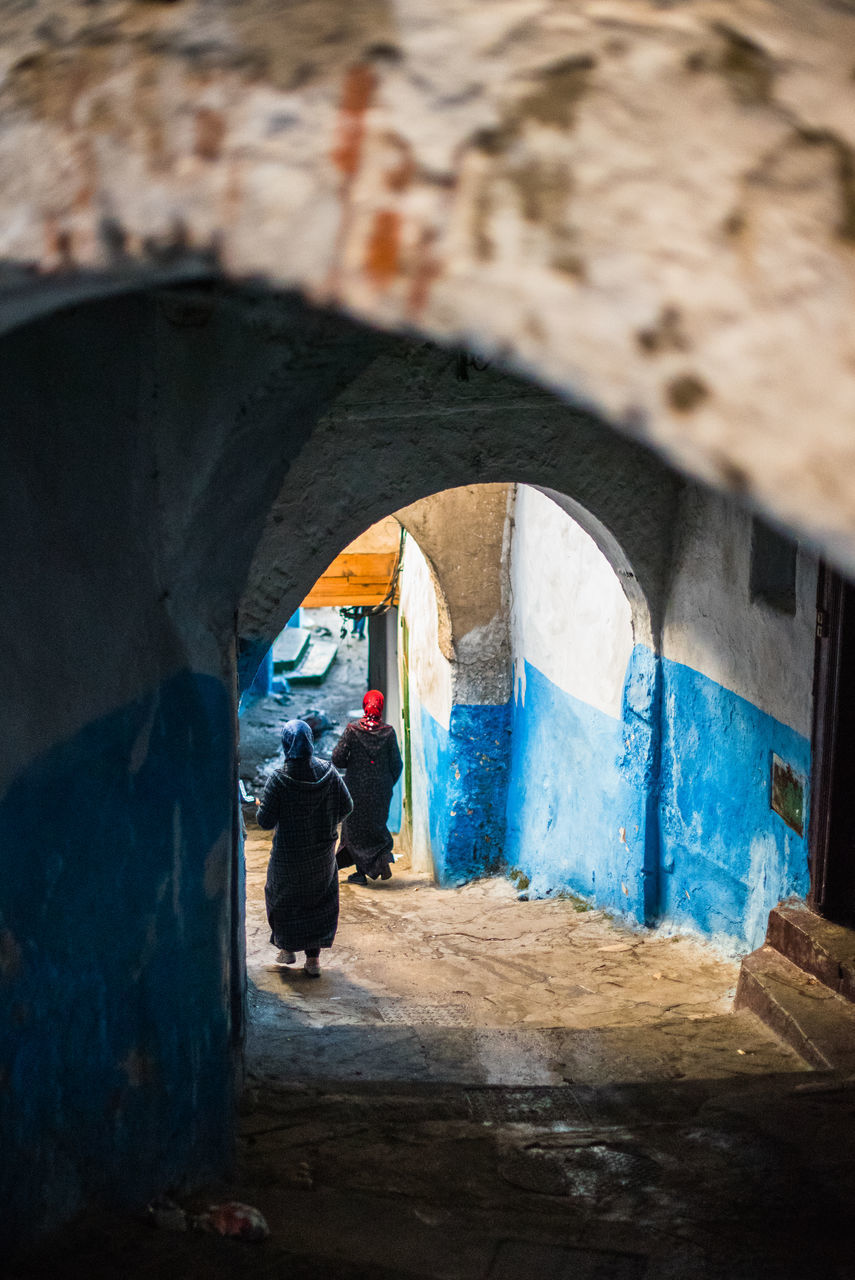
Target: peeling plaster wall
{"points": [[647, 206], [736, 687], [580, 774]]}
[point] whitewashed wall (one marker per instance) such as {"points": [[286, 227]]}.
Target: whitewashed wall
{"points": [[737, 682], [576, 810], [569, 615], [712, 626], [430, 679]]}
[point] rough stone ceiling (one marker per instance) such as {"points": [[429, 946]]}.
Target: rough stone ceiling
{"points": [[649, 205]]}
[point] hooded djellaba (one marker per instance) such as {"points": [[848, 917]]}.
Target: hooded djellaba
{"points": [[368, 753], [305, 800]]}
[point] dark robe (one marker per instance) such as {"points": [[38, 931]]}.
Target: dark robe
{"points": [[304, 800], [372, 765]]}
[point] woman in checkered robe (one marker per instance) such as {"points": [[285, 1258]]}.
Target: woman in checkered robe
{"points": [[304, 800]]}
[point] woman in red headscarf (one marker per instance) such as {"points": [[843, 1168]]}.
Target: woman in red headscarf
{"points": [[368, 754]]}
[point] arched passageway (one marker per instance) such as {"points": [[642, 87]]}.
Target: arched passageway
{"points": [[645, 206], [255, 438]]}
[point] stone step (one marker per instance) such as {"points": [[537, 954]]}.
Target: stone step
{"points": [[320, 656], [818, 946], [289, 648], [806, 1014]]}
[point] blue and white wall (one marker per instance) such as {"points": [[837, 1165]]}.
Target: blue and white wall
{"points": [[639, 779], [579, 769], [454, 608], [429, 706], [736, 687]]}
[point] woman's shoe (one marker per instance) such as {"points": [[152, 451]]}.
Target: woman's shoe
{"points": [[356, 877], [312, 967], [386, 873], [286, 957]]}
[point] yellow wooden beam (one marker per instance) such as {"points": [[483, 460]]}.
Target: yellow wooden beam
{"points": [[354, 578]]}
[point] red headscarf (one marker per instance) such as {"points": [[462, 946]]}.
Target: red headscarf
{"points": [[372, 705]]}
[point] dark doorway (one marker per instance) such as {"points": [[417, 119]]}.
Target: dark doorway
{"points": [[832, 834]]}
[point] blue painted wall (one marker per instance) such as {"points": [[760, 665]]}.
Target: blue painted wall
{"points": [[579, 778], [467, 769], [661, 814], [115, 1038], [727, 857], [686, 773], [263, 679]]}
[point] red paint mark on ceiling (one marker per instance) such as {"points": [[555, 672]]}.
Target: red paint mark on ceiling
{"points": [[382, 251], [357, 94]]}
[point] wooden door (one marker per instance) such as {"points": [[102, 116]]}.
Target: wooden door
{"points": [[832, 826]]}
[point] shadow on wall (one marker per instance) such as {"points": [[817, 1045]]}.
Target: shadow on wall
{"points": [[101, 1032]]}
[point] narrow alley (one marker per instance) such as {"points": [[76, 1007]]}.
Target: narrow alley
{"points": [[486, 1088], [522, 335], [471, 986]]}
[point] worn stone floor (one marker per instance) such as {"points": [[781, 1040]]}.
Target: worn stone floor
{"points": [[472, 986], [480, 1088]]}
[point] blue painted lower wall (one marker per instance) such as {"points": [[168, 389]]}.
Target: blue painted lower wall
{"points": [[576, 806], [116, 1066], [661, 814], [727, 857], [467, 769]]}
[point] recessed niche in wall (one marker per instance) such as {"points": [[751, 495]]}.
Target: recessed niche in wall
{"points": [[773, 568]]}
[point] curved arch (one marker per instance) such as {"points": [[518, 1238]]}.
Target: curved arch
{"points": [[405, 427]]}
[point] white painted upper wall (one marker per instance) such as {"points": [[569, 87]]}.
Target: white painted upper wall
{"points": [[430, 670], [711, 625], [569, 615]]}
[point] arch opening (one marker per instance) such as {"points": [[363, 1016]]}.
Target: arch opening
{"points": [[240, 480], [470, 633]]}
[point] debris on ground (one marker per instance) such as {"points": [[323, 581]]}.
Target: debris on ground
{"points": [[232, 1218], [235, 1219]]}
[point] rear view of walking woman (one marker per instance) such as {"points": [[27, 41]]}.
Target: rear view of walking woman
{"points": [[368, 753], [304, 800]]}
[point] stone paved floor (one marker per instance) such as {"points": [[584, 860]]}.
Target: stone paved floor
{"points": [[485, 1089], [472, 986]]}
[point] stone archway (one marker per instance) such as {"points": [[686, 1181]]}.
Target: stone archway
{"points": [[523, 639], [152, 475], [409, 425]]}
